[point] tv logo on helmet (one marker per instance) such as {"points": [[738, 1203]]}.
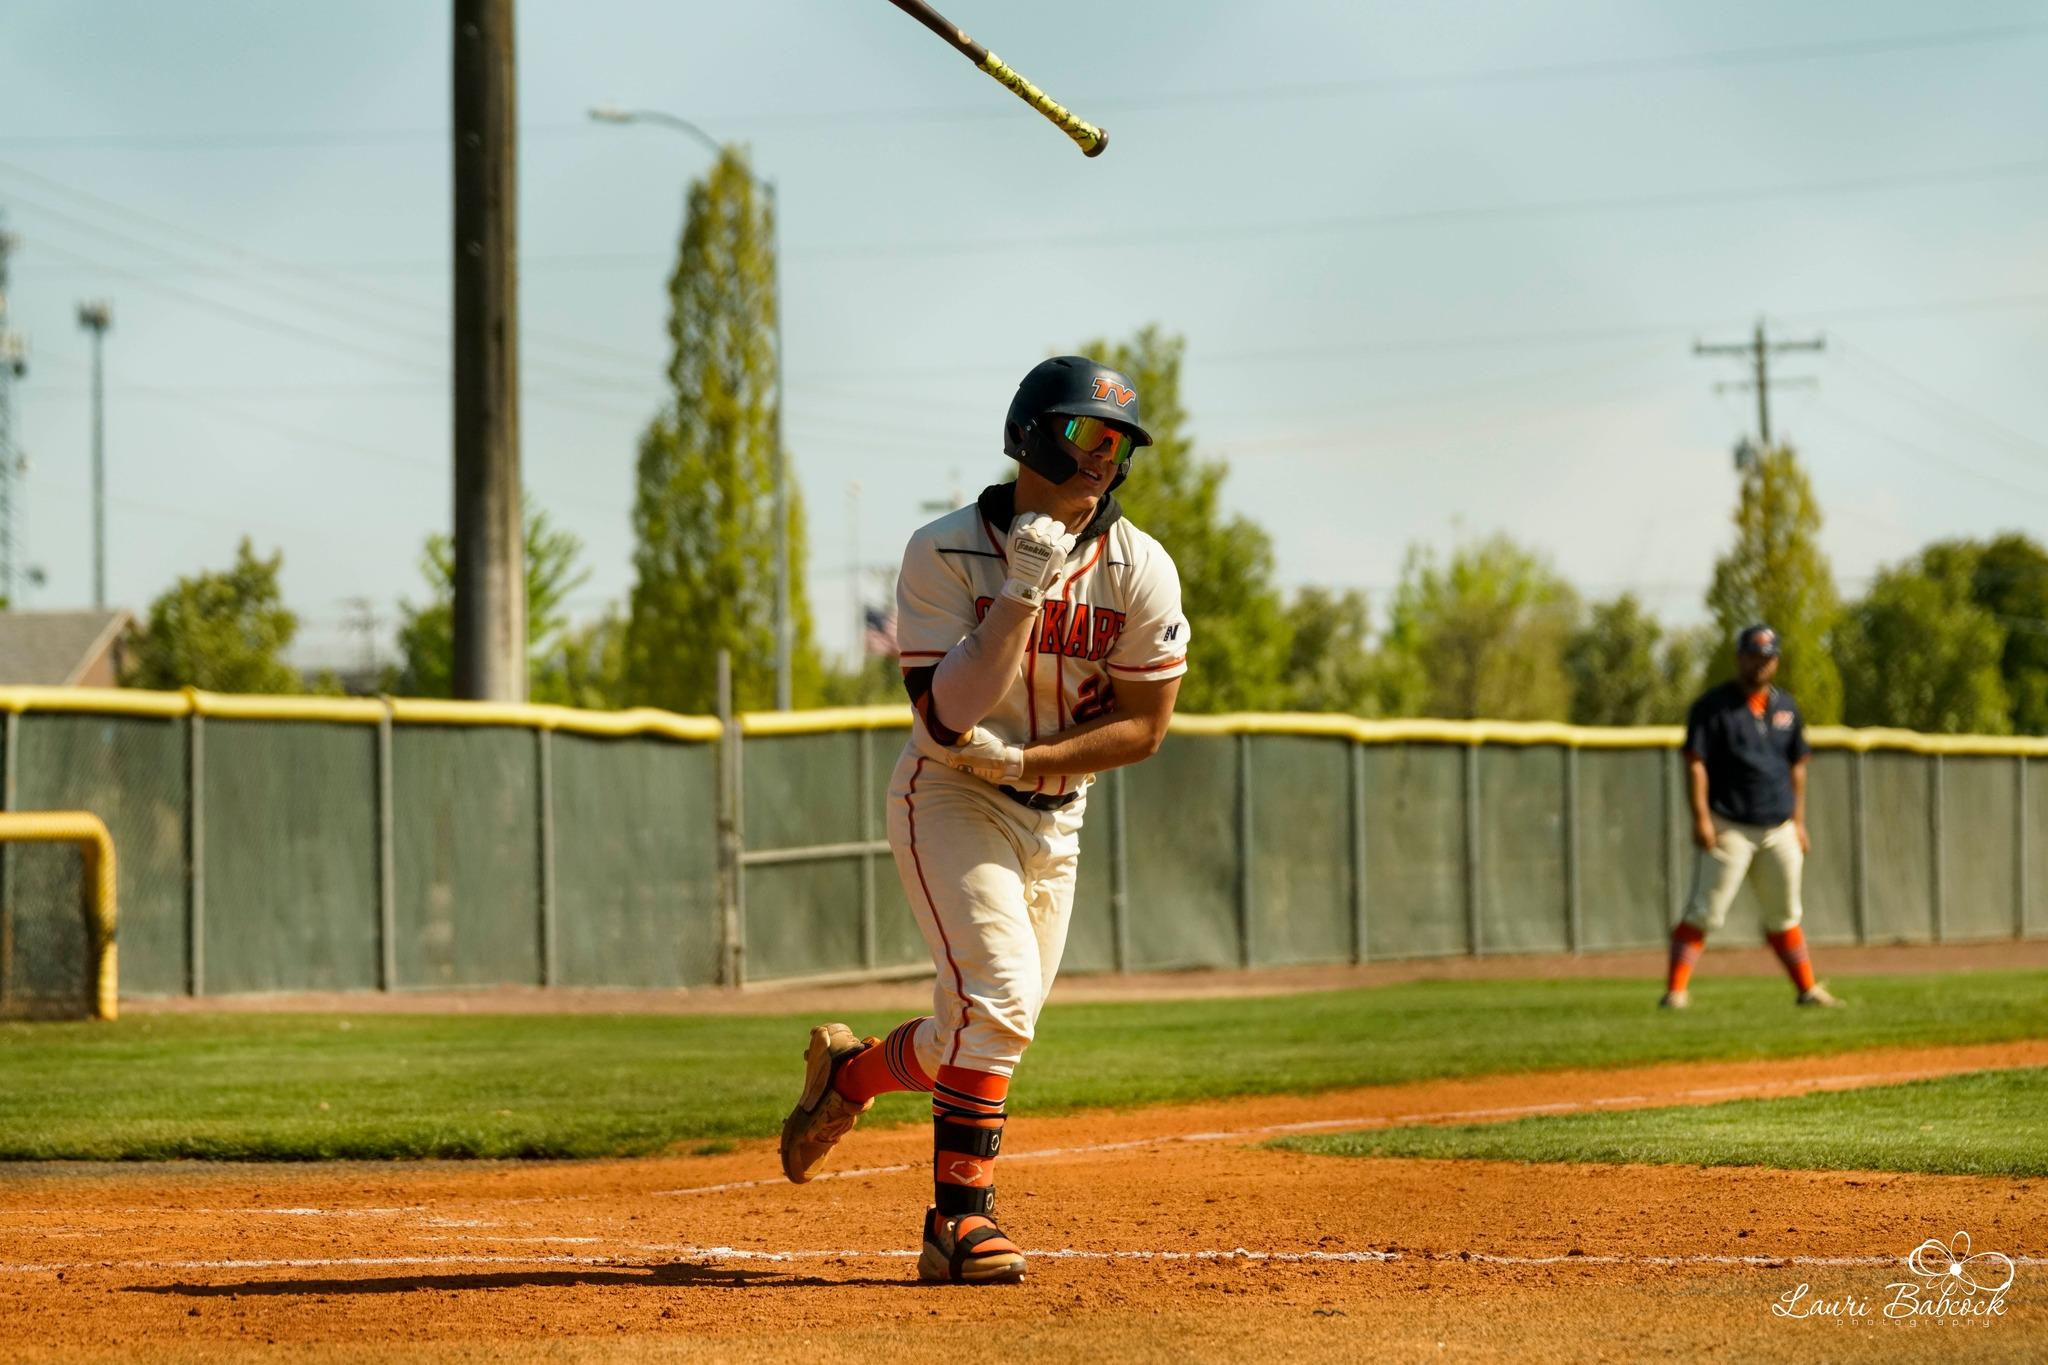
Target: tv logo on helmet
{"points": [[1107, 388]]}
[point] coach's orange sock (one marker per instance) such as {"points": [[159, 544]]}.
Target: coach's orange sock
{"points": [[1790, 946], [892, 1065], [1687, 943], [967, 1132]]}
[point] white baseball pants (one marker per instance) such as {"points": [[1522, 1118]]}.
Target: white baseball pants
{"points": [[992, 885], [1718, 872]]}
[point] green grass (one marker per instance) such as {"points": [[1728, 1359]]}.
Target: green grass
{"points": [[1979, 1123], [301, 1087]]}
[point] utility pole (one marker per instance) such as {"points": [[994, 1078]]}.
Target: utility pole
{"points": [[96, 317], [490, 569], [13, 365], [363, 622], [1759, 350]]}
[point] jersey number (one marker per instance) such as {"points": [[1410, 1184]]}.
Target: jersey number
{"points": [[1095, 698]]}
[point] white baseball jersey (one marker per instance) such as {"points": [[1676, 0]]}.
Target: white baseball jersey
{"points": [[1115, 612]]}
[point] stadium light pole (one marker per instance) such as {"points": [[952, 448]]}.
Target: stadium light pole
{"points": [[606, 113], [96, 317]]}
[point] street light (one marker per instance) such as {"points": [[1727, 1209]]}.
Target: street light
{"points": [[606, 113], [96, 317]]}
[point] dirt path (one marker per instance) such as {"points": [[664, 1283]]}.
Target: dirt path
{"points": [[1161, 1234]]}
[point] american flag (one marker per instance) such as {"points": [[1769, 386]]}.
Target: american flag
{"points": [[881, 632]]}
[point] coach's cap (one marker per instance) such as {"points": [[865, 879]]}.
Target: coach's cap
{"points": [[1759, 639]]}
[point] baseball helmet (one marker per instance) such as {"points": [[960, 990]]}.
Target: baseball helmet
{"points": [[1068, 386]]}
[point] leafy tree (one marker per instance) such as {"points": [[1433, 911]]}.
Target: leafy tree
{"points": [[1626, 669], [225, 632], [1919, 652], [876, 680], [586, 666], [426, 634], [1482, 636], [1225, 562], [1329, 662], [1775, 572], [703, 509], [2011, 582]]}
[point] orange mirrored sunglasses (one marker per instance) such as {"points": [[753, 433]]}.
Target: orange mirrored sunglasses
{"points": [[1089, 433]]}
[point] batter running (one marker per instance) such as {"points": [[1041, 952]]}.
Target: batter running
{"points": [[1042, 642]]}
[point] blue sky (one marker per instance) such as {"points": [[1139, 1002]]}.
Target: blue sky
{"points": [[1440, 268]]}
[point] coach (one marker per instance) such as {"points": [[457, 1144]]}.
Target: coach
{"points": [[1745, 776]]}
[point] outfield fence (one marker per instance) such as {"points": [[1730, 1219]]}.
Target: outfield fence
{"points": [[292, 844]]}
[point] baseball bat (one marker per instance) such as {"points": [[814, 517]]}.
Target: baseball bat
{"points": [[1087, 136]]}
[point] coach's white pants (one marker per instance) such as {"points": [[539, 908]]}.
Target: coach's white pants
{"points": [[992, 885], [1718, 872]]}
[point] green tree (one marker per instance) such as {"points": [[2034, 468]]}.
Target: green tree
{"points": [[703, 507], [1775, 573], [586, 666], [1920, 653], [426, 634], [225, 632], [2011, 582], [1329, 658], [1225, 562], [1482, 636], [1627, 669]]}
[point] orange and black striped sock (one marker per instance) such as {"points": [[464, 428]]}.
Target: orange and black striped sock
{"points": [[967, 1133], [891, 1065], [1687, 943], [1790, 946]]}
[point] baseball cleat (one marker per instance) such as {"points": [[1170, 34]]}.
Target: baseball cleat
{"points": [[1818, 995], [1674, 1000], [968, 1249], [822, 1115]]}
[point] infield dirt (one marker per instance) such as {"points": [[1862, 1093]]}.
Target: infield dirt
{"points": [[1161, 1234]]}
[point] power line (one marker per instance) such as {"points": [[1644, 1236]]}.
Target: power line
{"points": [[1913, 447], [318, 274], [1540, 73], [1860, 357], [1068, 240], [1759, 350]]}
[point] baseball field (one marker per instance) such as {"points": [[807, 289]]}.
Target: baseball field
{"points": [[1496, 1167]]}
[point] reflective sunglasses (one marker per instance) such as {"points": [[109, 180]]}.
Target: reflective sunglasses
{"points": [[1089, 433]]}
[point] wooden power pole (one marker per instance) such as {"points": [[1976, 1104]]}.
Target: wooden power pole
{"points": [[490, 567], [1758, 351]]}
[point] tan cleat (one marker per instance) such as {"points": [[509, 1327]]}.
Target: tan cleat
{"points": [[822, 1115], [1818, 995], [1675, 1000], [967, 1249]]}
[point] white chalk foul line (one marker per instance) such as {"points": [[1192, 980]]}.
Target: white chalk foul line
{"points": [[1374, 1121], [738, 1254]]}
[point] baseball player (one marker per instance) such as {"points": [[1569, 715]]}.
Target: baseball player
{"points": [[1042, 642], [1745, 764]]}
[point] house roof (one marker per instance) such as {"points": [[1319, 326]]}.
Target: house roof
{"points": [[54, 648]]}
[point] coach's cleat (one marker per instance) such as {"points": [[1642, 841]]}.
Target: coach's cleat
{"points": [[1818, 995], [822, 1115], [1674, 1000], [968, 1249]]}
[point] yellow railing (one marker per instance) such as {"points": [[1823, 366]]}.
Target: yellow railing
{"points": [[123, 701], [649, 721], [101, 914]]}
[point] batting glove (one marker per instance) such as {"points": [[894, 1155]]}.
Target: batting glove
{"points": [[1037, 553], [987, 757]]}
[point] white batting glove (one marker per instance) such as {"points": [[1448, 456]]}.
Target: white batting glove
{"points": [[987, 757], [1037, 553]]}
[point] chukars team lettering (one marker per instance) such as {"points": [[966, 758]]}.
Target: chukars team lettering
{"points": [[1072, 629]]}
